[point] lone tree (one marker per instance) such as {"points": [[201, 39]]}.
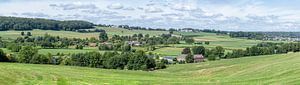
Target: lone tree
{"points": [[189, 40], [103, 37], [219, 51], [29, 34], [207, 42], [22, 33]]}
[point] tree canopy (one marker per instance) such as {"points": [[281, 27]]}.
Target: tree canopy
{"points": [[16, 23]]}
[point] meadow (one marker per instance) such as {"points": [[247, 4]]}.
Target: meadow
{"points": [[69, 34], [280, 69], [172, 50]]}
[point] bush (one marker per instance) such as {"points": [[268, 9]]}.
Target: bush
{"points": [[3, 57]]}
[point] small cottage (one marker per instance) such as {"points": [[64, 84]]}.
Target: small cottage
{"points": [[169, 59], [198, 58], [134, 43], [181, 58], [93, 44]]}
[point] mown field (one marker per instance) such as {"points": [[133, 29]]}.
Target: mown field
{"points": [[272, 69]]}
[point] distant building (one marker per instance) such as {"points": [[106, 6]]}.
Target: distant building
{"points": [[93, 44], [181, 58], [169, 59], [187, 30], [134, 43], [198, 58]]}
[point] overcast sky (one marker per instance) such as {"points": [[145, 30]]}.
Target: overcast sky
{"points": [[233, 15]]}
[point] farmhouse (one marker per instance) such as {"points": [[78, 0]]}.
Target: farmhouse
{"points": [[134, 43], [169, 59], [198, 58], [181, 58], [93, 44]]}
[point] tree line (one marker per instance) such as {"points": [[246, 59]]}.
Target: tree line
{"points": [[248, 35], [138, 60], [266, 48], [16, 23]]}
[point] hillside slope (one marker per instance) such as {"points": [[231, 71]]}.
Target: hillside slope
{"points": [[273, 69]]}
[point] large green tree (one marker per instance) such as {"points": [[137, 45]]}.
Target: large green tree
{"points": [[103, 37], [26, 54], [198, 50]]}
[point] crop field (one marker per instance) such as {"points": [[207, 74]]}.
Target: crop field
{"points": [[272, 69]]}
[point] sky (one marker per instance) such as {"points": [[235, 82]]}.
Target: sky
{"points": [[229, 15]]}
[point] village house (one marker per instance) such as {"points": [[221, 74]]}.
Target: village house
{"points": [[197, 58], [92, 44], [181, 58], [134, 43], [169, 59]]}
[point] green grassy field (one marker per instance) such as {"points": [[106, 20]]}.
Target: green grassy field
{"points": [[69, 34], [273, 69], [215, 40]]}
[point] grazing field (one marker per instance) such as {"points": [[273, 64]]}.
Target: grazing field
{"points": [[272, 69], [173, 50], [68, 51], [221, 40], [70, 34]]}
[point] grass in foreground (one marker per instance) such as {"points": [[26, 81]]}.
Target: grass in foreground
{"points": [[273, 69]]}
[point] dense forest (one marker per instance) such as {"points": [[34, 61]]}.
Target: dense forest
{"points": [[15, 23]]}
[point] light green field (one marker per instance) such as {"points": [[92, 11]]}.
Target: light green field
{"points": [[221, 40], [69, 34], [273, 69], [215, 40], [67, 51]]}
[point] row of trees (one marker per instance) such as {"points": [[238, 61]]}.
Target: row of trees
{"points": [[16, 23], [265, 49], [48, 41], [248, 35], [138, 60]]}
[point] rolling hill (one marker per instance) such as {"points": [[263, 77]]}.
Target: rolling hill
{"points": [[272, 69]]}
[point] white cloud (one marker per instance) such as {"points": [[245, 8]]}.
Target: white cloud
{"points": [[153, 10], [184, 7], [205, 14], [73, 6], [115, 6], [35, 15]]}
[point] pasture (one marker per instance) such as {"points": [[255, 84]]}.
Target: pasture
{"points": [[69, 34], [271, 69]]}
